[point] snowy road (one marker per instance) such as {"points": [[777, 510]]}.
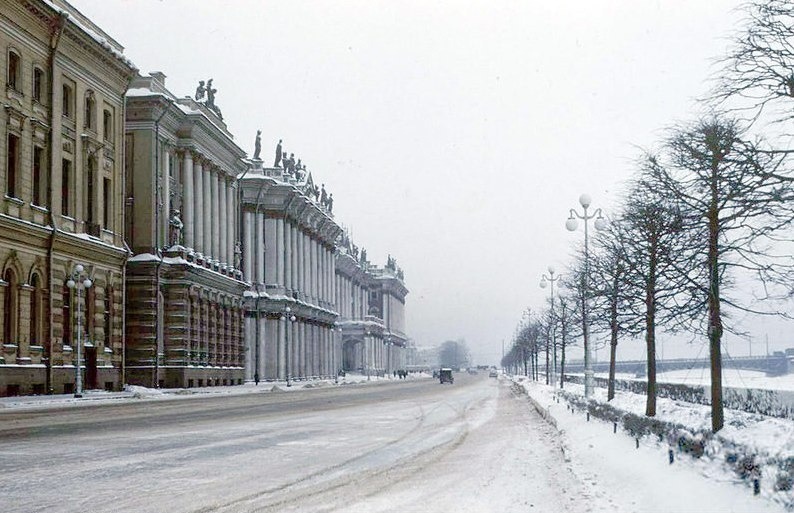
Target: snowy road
{"points": [[397, 446]]}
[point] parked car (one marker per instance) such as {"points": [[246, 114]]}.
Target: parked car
{"points": [[493, 374], [445, 376]]}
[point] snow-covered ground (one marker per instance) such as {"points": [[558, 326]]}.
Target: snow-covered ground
{"points": [[641, 479], [736, 378]]}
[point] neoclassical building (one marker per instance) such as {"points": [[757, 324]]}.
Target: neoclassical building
{"points": [[184, 288], [61, 175], [371, 304], [314, 307], [288, 260]]}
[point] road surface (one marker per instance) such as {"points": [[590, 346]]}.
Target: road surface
{"points": [[387, 446]]}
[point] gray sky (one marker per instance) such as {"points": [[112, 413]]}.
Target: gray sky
{"points": [[455, 135]]}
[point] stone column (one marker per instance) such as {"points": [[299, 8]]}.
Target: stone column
{"points": [[261, 247], [301, 263], [231, 222], [248, 247], [223, 224], [215, 199], [278, 251], [187, 201], [269, 231], [165, 225], [198, 204], [295, 256], [288, 256], [207, 221]]}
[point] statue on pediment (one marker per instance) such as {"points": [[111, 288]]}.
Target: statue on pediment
{"points": [[331, 202], [258, 144], [323, 196], [200, 90], [355, 252], [278, 154], [400, 274], [363, 255]]}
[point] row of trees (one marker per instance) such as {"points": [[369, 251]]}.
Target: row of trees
{"points": [[703, 228]]}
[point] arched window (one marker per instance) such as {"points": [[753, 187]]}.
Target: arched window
{"points": [[10, 308], [35, 311], [66, 309]]}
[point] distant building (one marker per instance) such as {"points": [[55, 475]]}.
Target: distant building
{"points": [[62, 205]]}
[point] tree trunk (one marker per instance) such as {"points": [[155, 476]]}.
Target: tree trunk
{"points": [[547, 360], [715, 320], [562, 363], [613, 343], [650, 329]]}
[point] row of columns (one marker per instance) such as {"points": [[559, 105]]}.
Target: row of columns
{"points": [[214, 334], [279, 252], [300, 349], [209, 204], [379, 356], [351, 298]]}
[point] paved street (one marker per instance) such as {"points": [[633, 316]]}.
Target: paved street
{"points": [[387, 446]]}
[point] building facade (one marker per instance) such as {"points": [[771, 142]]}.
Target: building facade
{"points": [[371, 304], [61, 175], [288, 259], [184, 289]]}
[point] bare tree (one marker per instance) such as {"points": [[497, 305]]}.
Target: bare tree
{"points": [[759, 70], [566, 323], [609, 269], [740, 196], [661, 244]]}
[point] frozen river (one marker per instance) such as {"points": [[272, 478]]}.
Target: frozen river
{"points": [[389, 446]]}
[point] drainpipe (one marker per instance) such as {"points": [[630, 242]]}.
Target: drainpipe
{"points": [[157, 248], [56, 30], [127, 250]]}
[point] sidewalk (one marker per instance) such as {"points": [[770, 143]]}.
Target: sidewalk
{"points": [[134, 392]]}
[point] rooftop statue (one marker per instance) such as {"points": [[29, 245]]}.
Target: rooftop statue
{"points": [[331, 202], [200, 90], [323, 196], [258, 144], [278, 154]]}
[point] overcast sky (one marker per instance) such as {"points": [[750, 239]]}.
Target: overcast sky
{"points": [[454, 135]]}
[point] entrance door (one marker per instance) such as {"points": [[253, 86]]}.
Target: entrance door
{"points": [[90, 368]]}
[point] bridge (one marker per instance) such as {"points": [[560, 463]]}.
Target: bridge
{"points": [[776, 364]]}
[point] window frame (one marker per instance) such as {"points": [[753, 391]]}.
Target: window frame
{"points": [[14, 73]]}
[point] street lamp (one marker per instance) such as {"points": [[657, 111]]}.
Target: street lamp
{"points": [[571, 224], [288, 328], [388, 356], [366, 352], [77, 279], [544, 281]]}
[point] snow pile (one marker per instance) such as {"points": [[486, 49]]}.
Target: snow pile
{"points": [[750, 448], [140, 392]]}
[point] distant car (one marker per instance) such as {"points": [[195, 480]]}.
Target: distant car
{"points": [[492, 374], [445, 376], [472, 371]]}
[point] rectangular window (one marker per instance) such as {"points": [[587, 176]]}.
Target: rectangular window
{"points": [[13, 71], [106, 203], [89, 191], [38, 158], [38, 84], [67, 101], [107, 125], [11, 168], [66, 168], [89, 111]]}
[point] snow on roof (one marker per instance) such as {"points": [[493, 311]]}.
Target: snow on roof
{"points": [[81, 22]]}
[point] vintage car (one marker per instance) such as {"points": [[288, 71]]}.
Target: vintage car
{"points": [[445, 376]]}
